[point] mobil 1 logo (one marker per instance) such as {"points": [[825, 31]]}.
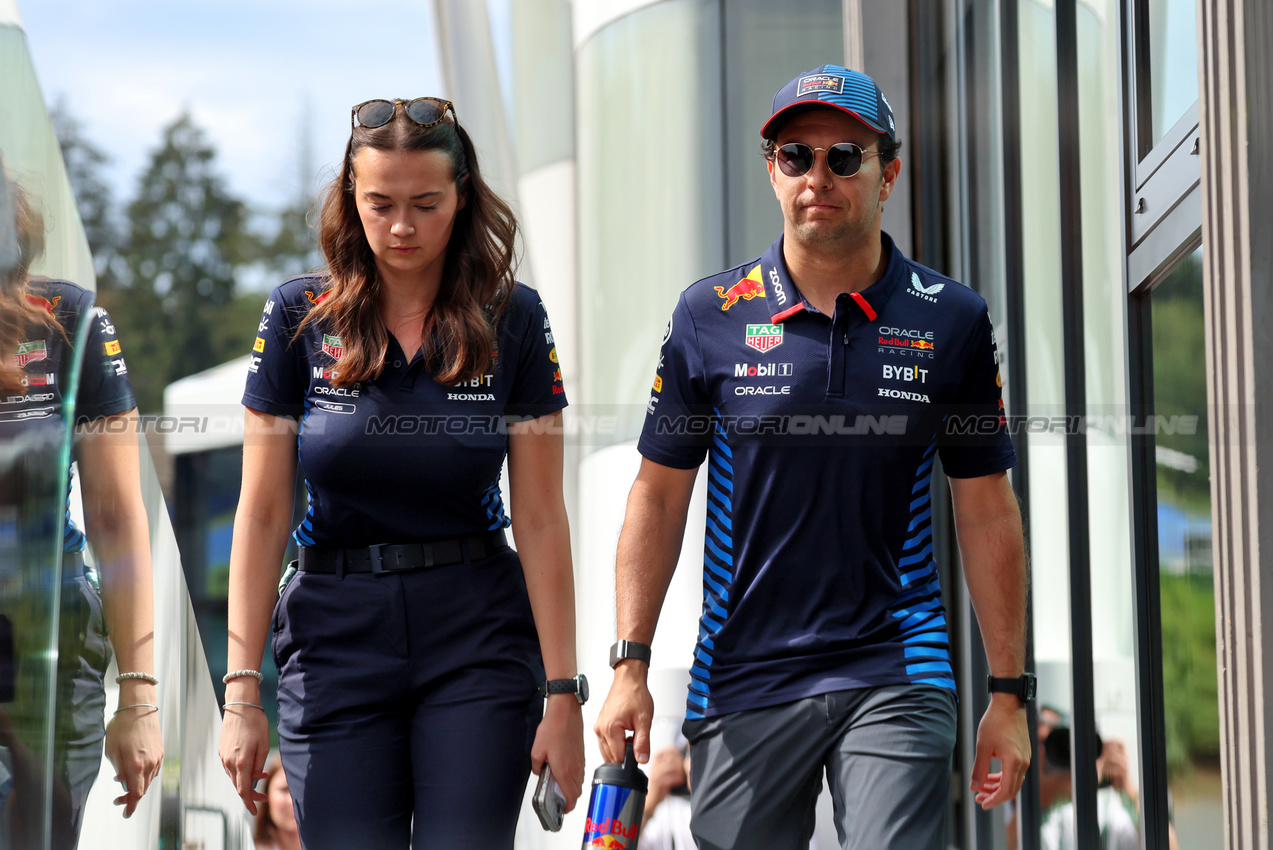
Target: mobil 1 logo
{"points": [[762, 370]]}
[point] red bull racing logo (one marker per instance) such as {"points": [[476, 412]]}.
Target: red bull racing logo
{"points": [[746, 289], [44, 302]]}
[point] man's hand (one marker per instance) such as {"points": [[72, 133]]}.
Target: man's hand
{"points": [[1112, 765], [1002, 734], [628, 707], [666, 772]]}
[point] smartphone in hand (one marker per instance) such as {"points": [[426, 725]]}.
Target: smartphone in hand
{"points": [[549, 803]]}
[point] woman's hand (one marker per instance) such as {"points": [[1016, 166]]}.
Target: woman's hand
{"points": [[136, 751], [559, 741], [245, 744]]}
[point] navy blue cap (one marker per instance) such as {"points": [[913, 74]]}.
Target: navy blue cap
{"points": [[851, 92]]}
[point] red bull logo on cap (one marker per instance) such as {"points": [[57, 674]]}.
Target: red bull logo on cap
{"points": [[746, 289]]}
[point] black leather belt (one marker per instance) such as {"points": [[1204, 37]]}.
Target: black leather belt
{"points": [[401, 557]]}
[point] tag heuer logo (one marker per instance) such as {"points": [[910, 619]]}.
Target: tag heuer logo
{"points": [[764, 337], [332, 346], [30, 352]]}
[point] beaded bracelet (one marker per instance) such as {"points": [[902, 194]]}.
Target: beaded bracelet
{"points": [[254, 705], [145, 677], [239, 674], [137, 705]]}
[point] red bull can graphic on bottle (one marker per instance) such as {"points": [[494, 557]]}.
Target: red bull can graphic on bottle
{"points": [[617, 805]]}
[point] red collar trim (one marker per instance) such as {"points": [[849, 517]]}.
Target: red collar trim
{"points": [[866, 308], [788, 313]]}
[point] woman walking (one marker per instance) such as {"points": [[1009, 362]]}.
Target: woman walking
{"points": [[414, 647]]}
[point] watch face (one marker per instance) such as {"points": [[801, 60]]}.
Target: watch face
{"points": [[583, 689]]}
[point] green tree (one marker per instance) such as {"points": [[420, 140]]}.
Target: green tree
{"points": [[186, 236], [85, 163]]}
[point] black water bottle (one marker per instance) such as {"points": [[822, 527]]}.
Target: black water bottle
{"points": [[617, 804]]}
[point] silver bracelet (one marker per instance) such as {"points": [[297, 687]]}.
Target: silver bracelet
{"points": [[239, 674], [254, 705], [145, 677], [137, 705]]}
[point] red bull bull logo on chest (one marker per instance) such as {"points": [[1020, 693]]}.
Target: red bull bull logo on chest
{"points": [[746, 289]]}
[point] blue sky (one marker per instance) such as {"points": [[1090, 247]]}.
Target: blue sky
{"points": [[257, 75]]}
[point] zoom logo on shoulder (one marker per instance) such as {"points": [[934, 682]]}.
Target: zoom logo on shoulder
{"points": [[762, 370]]}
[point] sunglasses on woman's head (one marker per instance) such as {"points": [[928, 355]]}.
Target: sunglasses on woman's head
{"points": [[844, 159], [425, 111]]}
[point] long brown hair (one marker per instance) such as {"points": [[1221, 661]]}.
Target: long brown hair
{"points": [[21, 243], [459, 333]]}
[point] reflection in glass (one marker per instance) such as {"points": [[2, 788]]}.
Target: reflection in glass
{"points": [[1047, 537], [1173, 61], [48, 329], [1186, 582], [1108, 458], [766, 44]]}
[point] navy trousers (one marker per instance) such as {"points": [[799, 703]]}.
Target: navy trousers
{"points": [[408, 704]]}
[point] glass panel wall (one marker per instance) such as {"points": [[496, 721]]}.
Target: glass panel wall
{"points": [[766, 45], [1047, 535], [68, 586], [650, 190], [1186, 587], [46, 747], [1173, 62], [1104, 307]]}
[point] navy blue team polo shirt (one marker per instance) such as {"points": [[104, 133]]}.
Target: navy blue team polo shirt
{"points": [[401, 459], [46, 358], [821, 433]]}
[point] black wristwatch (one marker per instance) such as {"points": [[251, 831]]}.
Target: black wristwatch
{"points": [[577, 686], [629, 649], [1023, 686]]}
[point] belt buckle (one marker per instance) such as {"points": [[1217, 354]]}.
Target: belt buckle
{"points": [[377, 559]]}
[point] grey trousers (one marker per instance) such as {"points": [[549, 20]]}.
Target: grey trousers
{"points": [[755, 775]]}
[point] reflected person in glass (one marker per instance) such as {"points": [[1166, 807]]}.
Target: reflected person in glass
{"points": [[105, 604], [415, 649], [275, 818]]}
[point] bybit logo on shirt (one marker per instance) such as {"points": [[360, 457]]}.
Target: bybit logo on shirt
{"points": [[906, 373]]}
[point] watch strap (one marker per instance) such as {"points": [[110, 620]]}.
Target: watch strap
{"points": [[1023, 687], [578, 686], [629, 649]]}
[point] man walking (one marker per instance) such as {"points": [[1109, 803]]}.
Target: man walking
{"points": [[821, 382]]}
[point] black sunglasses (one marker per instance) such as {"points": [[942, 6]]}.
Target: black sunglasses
{"points": [[844, 159], [425, 111]]}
